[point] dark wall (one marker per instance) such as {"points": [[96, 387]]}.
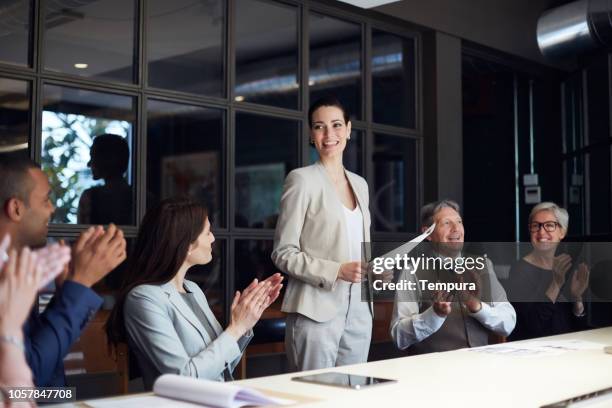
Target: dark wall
{"points": [[505, 25]]}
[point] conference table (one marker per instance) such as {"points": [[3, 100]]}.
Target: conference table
{"points": [[460, 378], [464, 378]]}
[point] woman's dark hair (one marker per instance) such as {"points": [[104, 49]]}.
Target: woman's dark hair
{"points": [[329, 100], [163, 241]]}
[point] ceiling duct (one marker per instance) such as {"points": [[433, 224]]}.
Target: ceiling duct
{"points": [[575, 28]]}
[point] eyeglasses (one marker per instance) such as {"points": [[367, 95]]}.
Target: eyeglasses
{"points": [[549, 226]]}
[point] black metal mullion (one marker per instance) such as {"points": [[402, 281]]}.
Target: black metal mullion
{"points": [[419, 116], [418, 83], [39, 22], [246, 233], [88, 86], [70, 230], [36, 85], [274, 111], [230, 138], [609, 60], [586, 157], [231, 117], [140, 157], [140, 149], [109, 86], [304, 69], [138, 57], [368, 141], [36, 120], [230, 280], [33, 38]]}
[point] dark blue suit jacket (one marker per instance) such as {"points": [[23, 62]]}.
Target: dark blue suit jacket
{"points": [[49, 336]]}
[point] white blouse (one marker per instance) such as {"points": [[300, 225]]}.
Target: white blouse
{"points": [[354, 229]]}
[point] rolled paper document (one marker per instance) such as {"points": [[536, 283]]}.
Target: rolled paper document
{"points": [[410, 245]]}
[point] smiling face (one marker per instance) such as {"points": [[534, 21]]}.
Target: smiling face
{"points": [[541, 239], [200, 251], [38, 211], [449, 231], [329, 131]]}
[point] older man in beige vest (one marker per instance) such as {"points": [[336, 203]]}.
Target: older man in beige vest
{"points": [[426, 321]]}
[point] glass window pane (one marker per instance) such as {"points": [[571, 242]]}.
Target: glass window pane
{"points": [[266, 53], [266, 150], [599, 163], [107, 287], [394, 197], [185, 45], [335, 61], [91, 38], [14, 117], [252, 260], [598, 99], [15, 29], [352, 158], [575, 195], [87, 146], [574, 121], [211, 279], [185, 155], [393, 84]]}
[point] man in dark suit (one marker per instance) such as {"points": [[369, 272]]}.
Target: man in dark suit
{"points": [[25, 215]]}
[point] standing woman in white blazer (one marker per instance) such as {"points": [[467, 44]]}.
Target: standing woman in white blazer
{"points": [[323, 221]]}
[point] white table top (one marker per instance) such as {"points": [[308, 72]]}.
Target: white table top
{"points": [[464, 379]]}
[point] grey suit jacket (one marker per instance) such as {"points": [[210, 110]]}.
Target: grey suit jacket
{"points": [[311, 242], [167, 337]]}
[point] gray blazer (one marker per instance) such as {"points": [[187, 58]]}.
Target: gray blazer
{"points": [[311, 240], [167, 337]]}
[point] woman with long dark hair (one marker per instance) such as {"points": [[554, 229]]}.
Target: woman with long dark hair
{"points": [[165, 318]]}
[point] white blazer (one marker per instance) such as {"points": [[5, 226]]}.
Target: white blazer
{"points": [[311, 242]]}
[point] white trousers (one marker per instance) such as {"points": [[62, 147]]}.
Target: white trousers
{"points": [[343, 340]]}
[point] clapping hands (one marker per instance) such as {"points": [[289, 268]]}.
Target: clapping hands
{"points": [[471, 298], [579, 282], [96, 253], [20, 277], [442, 303], [248, 306], [52, 259], [561, 264]]}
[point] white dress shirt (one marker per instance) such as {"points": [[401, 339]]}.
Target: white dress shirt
{"points": [[409, 327]]}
